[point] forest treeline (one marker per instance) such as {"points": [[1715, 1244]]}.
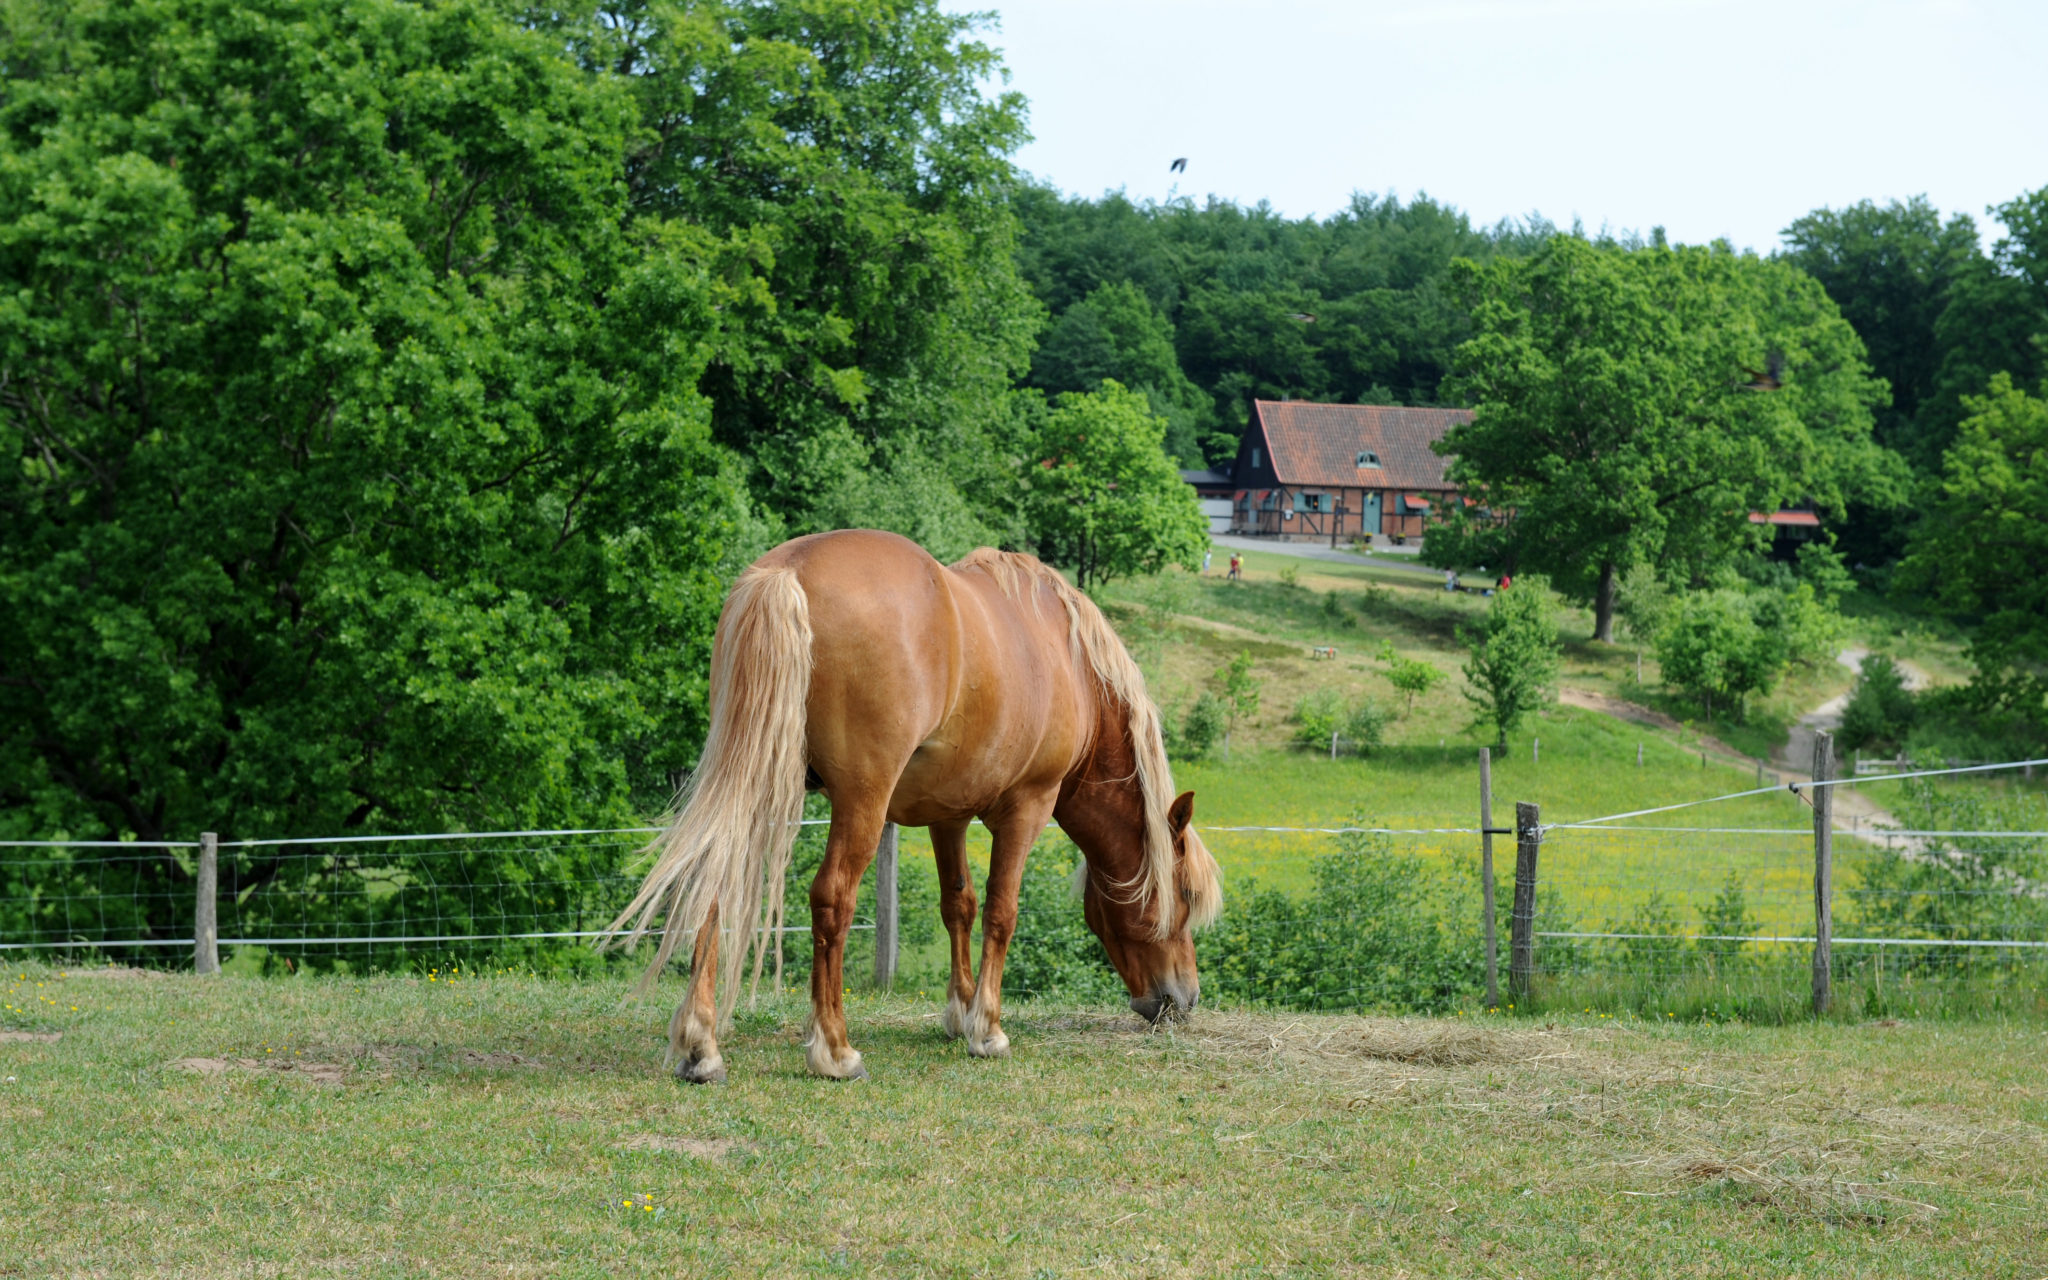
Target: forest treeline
{"points": [[395, 387]]}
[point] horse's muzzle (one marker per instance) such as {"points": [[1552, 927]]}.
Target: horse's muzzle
{"points": [[1167, 1000]]}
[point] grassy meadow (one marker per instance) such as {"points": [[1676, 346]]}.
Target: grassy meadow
{"points": [[465, 1125]]}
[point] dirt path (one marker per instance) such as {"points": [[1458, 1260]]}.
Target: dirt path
{"points": [[1791, 762]]}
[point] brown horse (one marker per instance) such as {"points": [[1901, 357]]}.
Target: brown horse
{"points": [[910, 692]]}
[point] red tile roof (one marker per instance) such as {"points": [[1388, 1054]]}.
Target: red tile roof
{"points": [[1320, 443], [1806, 518]]}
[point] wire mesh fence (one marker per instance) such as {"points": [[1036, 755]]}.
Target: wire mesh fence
{"points": [[1373, 915]]}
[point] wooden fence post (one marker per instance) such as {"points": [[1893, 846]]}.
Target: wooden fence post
{"points": [[206, 907], [885, 908], [1823, 871], [1486, 876], [1522, 924]]}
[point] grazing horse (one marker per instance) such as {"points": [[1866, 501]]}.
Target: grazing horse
{"points": [[910, 692]]}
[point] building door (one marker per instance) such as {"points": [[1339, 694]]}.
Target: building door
{"points": [[1369, 514]]}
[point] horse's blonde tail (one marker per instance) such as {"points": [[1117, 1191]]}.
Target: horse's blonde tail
{"points": [[737, 816]]}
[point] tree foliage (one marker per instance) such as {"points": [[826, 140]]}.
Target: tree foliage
{"points": [[1512, 669], [1349, 308], [1979, 553], [388, 382], [847, 156], [1610, 428], [1105, 500]]}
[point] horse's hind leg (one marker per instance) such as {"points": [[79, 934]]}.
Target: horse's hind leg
{"points": [[956, 908], [856, 826], [693, 1032]]}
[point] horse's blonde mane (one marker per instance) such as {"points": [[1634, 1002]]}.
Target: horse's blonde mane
{"points": [[1092, 640]]}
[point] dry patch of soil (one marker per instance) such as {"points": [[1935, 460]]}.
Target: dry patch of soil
{"points": [[330, 1074], [698, 1148]]}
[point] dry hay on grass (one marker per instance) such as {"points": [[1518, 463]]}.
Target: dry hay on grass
{"points": [[1791, 1177], [30, 1037], [329, 1074], [713, 1149], [1336, 1041]]}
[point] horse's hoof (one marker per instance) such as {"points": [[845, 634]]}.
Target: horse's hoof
{"points": [[994, 1045], [709, 1070]]}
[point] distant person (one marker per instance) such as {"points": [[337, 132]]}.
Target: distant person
{"points": [[1205, 562], [1504, 583], [1236, 567], [1450, 579]]}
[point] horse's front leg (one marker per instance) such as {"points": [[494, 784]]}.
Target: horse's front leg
{"points": [[956, 908], [1014, 830], [693, 1031], [856, 828]]}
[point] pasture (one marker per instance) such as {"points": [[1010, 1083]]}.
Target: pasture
{"points": [[497, 1125]]}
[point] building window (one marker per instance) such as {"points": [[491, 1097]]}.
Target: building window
{"points": [[1313, 502], [1255, 455], [1368, 459]]}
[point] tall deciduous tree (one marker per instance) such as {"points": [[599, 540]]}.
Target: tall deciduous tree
{"points": [[1611, 430], [1105, 500], [847, 152], [1979, 552]]}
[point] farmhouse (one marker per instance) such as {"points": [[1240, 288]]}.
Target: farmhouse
{"points": [[1340, 471]]}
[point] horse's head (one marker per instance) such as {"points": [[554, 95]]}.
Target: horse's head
{"points": [[1150, 937]]}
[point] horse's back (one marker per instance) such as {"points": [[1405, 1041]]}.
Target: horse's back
{"points": [[951, 679]]}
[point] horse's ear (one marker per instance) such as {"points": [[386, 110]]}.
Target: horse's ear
{"points": [[1181, 813]]}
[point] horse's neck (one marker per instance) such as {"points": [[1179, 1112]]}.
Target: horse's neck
{"points": [[1102, 806]]}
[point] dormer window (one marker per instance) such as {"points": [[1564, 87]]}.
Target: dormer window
{"points": [[1368, 459]]}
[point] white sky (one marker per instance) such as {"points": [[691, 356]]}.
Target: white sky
{"points": [[1707, 117]]}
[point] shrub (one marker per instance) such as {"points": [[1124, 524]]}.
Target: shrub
{"points": [[1411, 676], [1881, 709], [1200, 728], [1317, 716], [1323, 712], [1383, 930], [1290, 576], [1366, 727]]}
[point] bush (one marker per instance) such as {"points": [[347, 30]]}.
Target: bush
{"points": [[1323, 712], [1199, 729], [1726, 644], [1881, 709], [1382, 930], [1290, 576]]}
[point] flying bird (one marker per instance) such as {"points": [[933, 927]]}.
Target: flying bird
{"points": [[1772, 377], [1178, 166]]}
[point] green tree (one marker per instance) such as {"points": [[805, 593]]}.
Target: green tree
{"points": [[1512, 669], [1979, 551], [1996, 322], [847, 155], [362, 480], [1116, 333], [1611, 430], [1712, 647], [1891, 269], [1732, 642], [1105, 500]]}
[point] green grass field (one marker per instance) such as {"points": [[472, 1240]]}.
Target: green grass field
{"points": [[455, 1125]]}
